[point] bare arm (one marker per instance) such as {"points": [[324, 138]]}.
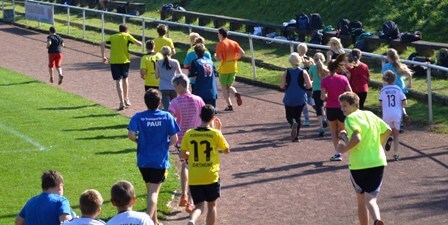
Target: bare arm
{"points": [[354, 140], [348, 88], [64, 217], [184, 155], [103, 46], [240, 54], [384, 136], [132, 135], [156, 71], [138, 43], [173, 140], [283, 82], [404, 103], [307, 79], [143, 73], [178, 69], [20, 220], [323, 94], [48, 43]]}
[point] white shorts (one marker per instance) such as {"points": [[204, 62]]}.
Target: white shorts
{"points": [[393, 122]]}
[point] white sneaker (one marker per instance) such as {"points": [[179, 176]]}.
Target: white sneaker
{"points": [[127, 102], [336, 157]]}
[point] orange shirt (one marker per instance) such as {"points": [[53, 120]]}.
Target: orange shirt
{"points": [[228, 50]]}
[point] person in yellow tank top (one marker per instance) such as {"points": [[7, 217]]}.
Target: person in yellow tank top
{"points": [[228, 52], [147, 66], [366, 134], [200, 146], [162, 40]]}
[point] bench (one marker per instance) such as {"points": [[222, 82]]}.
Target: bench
{"points": [[426, 48], [131, 8]]}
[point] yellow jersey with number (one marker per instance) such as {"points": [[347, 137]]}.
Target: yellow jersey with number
{"points": [[203, 145]]}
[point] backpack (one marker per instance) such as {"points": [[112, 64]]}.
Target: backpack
{"points": [[419, 71], [360, 42], [343, 27], [410, 37], [442, 57], [316, 37], [354, 34], [302, 21], [354, 25], [390, 30], [316, 21]]}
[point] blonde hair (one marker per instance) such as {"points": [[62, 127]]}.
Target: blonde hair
{"points": [[335, 45], [302, 49], [350, 97], [393, 57], [322, 69], [193, 36], [295, 59]]}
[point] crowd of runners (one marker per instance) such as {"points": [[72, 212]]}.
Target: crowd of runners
{"points": [[181, 113]]}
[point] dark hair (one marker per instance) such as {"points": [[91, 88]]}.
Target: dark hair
{"points": [[52, 29], [223, 31], [199, 40], [199, 49], [207, 113], [122, 193], [337, 64], [350, 97], [152, 99], [356, 54], [162, 29], [122, 27], [149, 45], [90, 202], [51, 179]]}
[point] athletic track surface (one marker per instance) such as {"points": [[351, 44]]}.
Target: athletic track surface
{"points": [[266, 179]]}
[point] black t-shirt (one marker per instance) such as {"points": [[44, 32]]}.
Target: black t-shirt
{"points": [[56, 43]]}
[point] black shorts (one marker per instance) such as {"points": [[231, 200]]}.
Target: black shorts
{"points": [[154, 176], [205, 193], [119, 71], [367, 180], [335, 114]]}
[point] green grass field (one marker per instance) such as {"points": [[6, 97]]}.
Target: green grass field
{"points": [[44, 128]]}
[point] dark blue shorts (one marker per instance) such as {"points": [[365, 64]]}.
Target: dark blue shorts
{"points": [[119, 71], [153, 176]]}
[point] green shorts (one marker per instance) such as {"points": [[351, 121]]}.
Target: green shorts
{"points": [[227, 78]]}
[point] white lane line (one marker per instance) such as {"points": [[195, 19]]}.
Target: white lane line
{"points": [[24, 137]]}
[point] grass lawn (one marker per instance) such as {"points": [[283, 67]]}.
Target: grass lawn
{"points": [[44, 128]]}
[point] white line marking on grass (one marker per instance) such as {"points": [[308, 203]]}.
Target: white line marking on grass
{"points": [[24, 137], [19, 150]]}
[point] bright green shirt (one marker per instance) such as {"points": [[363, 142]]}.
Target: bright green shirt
{"points": [[148, 62], [368, 153], [119, 47], [162, 41]]}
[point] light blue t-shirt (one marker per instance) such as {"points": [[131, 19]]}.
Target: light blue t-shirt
{"points": [[316, 78], [45, 209], [399, 81], [154, 128]]}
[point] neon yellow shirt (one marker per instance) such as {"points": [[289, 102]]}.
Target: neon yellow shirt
{"points": [[148, 62], [368, 153], [204, 161], [119, 47], [162, 41]]}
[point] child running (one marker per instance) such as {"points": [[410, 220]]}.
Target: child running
{"points": [[147, 66], [392, 101], [200, 146], [54, 44], [90, 203], [366, 133], [359, 77], [165, 70], [317, 72], [294, 81], [306, 63]]}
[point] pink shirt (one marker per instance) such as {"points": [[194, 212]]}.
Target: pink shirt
{"points": [[186, 108], [335, 86]]}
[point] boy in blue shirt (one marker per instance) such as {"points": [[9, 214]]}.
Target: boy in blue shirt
{"points": [[154, 131], [48, 208]]}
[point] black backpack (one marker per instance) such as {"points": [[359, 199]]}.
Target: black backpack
{"points": [[390, 30], [354, 25], [442, 57], [419, 71], [316, 21], [354, 34], [316, 37], [410, 37], [302, 21], [343, 27]]}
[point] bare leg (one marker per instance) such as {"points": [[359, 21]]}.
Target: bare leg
{"points": [[125, 88], [363, 211], [372, 206], [199, 208], [50, 70], [212, 213], [320, 119], [225, 93], [153, 195], [334, 133], [184, 178], [233, 89], [395, 133], [59, 69], [119, 90]]}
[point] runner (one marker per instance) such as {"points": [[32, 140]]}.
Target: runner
{"points": [[54, 43]]}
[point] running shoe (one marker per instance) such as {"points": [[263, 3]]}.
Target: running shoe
{"points": [[60, 79], [321, 132], [51, 79], [378, 222], [229, 108], [306, 123], [189, 208], [239, 101], [294, 133], [336, 157], [121, 106], [183, 200], [388, 143], [397, 157], [324, 123], [190, 223], [127, 102]]}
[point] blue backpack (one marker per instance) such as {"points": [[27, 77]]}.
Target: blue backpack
{"points": [[302, 21]]}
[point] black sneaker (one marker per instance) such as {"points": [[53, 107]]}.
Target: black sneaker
{"points": [[397, 158], [324, 123], [388, 143], [229, 108], [336, 157], [294, 133]]}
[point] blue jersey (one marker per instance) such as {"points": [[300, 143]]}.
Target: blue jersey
{"points": [[295, 94], [204, 71], [45, 209], [154, 128], [399, 81]]}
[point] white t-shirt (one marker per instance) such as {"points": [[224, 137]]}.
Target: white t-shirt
{"points": [[391, 97], [84, 221], [130, 217]]}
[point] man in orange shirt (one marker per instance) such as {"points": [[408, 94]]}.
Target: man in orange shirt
{"points": [[228, 52]]}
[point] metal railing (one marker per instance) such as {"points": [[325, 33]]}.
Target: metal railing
{"points": [[250, 38]]}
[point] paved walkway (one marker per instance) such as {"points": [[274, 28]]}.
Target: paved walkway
{"points": [[266, 179]]}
